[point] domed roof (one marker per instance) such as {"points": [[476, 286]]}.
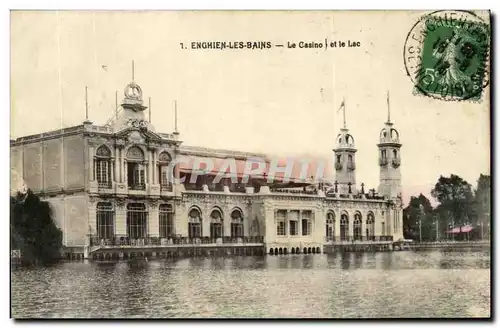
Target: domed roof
{"points": [[389, 134], [344, 139]]}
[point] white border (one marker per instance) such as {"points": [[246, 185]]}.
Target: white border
{"points": [[179, 5]]}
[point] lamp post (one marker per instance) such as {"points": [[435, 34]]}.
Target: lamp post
{"points": [[436, 221], [420, 222], [482, 232]]}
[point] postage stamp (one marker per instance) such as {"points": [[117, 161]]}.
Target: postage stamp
{"points": [[446, 55]]}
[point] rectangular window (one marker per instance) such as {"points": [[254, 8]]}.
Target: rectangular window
{"points": [[136, 176], [293, 228], [280, 228], [103, 173], [166, 225]]}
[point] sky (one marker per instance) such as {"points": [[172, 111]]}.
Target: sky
{"points": [[279, 101]]}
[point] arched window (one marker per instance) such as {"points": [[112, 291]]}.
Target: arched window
{"points": [[166, 215], [194, 223], [394, 134], [395, 153], [370, 226], [105, 218], [164, 160], [330, 226], [339, 157], [349, 159], [216, 224], [236, 223], [344, 226], [137, 220], [102, 167], [357, 226], [136, 172]]}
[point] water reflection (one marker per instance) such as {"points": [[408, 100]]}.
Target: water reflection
{"points": [[339, 285], [345, 260]]}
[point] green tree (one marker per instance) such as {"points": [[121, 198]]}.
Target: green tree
{"points": [[455, 198], [33, 230]]}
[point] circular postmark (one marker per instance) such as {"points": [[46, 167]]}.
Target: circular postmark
{"points": [[446, 55]]}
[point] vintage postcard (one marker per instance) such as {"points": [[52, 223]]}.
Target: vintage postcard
{"points": [[250, 164]]}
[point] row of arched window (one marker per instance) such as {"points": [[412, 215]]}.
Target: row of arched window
{"points": [[357, 225], [195, 226], [135, 167]]}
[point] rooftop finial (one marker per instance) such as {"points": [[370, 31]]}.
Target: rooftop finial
{"points": [[388, 108]]}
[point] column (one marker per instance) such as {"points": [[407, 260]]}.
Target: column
{"points": [[92, 217], [154, 219], [117, 165], [299, 225], [122, 171], [351, 223], [177, 173], [337, 225], [120, 220], [205, 223], [227, 224], [155, 168], [150, 167], [317, 229], [124, 175], [112, 169], [91, 160], [287, 224], [271, 225]]}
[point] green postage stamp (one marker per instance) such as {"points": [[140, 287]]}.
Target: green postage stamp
{"points": [[446, 55]]}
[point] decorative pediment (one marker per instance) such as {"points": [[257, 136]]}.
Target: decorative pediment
{"points": [[139, 135]]}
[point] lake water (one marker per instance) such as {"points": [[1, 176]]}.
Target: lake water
{"points": [[350, 285]]}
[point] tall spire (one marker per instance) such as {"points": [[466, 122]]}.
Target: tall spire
{"points": [[388, 108]]}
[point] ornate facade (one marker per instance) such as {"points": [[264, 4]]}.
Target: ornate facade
{"points": [[115, 184]]}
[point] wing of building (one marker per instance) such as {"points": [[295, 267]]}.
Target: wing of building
{"points": [[125, 184]]}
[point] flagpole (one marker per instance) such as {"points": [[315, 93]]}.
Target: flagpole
{"points": [[388, 108], [343, 109]]}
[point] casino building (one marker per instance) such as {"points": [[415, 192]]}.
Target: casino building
{"points": [[111, 187]]}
